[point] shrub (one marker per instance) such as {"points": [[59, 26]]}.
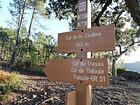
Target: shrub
{"points": [[35, 70], [4, 96], [130, 75], [4, 76], [8, 82], [120, 71], [14, 80], [5, 89]]}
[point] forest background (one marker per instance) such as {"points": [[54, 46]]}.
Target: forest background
{"points": [[27, 43]]}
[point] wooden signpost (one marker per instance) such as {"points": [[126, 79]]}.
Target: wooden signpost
{"points": [[82, 71], [79, 71], [93, 39]]}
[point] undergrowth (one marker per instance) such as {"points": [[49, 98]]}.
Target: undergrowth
{"points": [[8, 83]]}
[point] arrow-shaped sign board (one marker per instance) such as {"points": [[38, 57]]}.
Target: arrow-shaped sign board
{"points": [[86, 71], [88, 40]]}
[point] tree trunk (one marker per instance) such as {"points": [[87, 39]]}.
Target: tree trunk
{"points": [[18, 34], [47, 57], [30, 26], [113, 67], [113, 71], [2, 50]]}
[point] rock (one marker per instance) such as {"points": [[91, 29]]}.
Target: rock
{"points": [[34, 96]]}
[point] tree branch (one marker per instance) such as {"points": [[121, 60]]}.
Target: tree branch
{"points": [[117, 19], [108, 2], [125, 50], [134, 8]]}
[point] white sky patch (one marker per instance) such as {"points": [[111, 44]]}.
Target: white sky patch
{"points": [[56, 26], [133, 57]]}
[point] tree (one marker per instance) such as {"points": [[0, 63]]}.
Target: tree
{"points": [[19, 5], [37, 6], [44, 46], [134, 9], [3, 40], [127, 41], [49, 48], [107, 12], [6, 42], [64, 8], [17, 10]]}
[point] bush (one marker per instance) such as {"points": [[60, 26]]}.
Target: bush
{"points": [[4, 76], [130, 75], [8, 82], [120, 71], [35, 70], [5, 91], [14, 80]]}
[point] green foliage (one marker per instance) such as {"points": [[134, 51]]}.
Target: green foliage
{"points": [[40, 49], [6, 42], [15, 80], [5, 90], [36, 70], [120, 71], [62, 8], [11, 82], [4, 97], [38, 5]]}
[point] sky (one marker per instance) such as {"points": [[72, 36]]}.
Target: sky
{"points": [[52, 26], [55, 26], [133, 57]]}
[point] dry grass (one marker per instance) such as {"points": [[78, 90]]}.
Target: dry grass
{"points": [[4, 76]]}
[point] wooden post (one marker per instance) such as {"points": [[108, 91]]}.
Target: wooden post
{"points": [[71, 98], [84, 92], [77, 71], [84, 96]]}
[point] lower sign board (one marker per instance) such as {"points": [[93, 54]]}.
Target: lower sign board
{"points": [[86, 71], [92, 39]]}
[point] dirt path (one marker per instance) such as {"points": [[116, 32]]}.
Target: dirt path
{"points": [[40, 91]]}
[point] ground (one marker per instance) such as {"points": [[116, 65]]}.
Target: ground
{"points": [[38, 90]]}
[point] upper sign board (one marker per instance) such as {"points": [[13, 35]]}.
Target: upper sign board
{"points": [[88, 40], [82, 5], [83, 14], [86, 71]]}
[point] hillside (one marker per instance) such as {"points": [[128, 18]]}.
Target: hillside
{"points": [[133, 66]]}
